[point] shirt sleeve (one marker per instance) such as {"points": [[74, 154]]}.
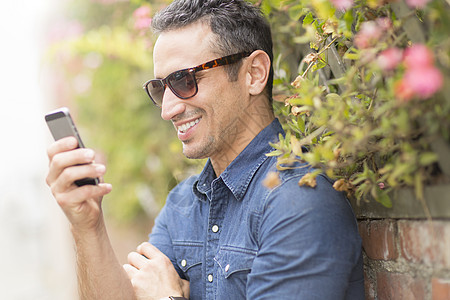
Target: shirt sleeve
{"points": [[160, 238], [309, 245]]}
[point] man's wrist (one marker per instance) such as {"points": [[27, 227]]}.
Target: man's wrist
{"points": [[173, 298]]}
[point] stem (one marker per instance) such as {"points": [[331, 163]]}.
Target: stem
{"points": [[318, 53], [399, 38], [327, 46], [307, 69]]}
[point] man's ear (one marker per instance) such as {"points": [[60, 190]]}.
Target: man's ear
{"points": [[258, 69]]}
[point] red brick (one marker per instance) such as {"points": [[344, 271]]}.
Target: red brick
{"points": [[440, 289], [399, 287], [369, 287], [378, 239], [425, 242]]}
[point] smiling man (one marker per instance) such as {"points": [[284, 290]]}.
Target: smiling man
{"points": [[221, 234], [213, 123]]}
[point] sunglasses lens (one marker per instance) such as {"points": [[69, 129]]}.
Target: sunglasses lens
{"points": [[183, 84], [155, 89]]}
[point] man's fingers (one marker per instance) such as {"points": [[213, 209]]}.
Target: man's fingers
{"points": [[137, 260], [62, 160], [130, 270], [78, 156], [62, 145], [69, 175], [148, 250]]}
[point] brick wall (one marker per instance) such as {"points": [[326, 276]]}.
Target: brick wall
{"points": [[406, 256], [406, 259]]}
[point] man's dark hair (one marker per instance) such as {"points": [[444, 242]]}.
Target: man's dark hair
{"points": [[239, 26]]}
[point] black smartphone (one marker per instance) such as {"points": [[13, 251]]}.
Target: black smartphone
{"points": [[61, 125]]}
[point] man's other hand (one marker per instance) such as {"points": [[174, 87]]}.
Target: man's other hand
{"points": [[152, 274]]}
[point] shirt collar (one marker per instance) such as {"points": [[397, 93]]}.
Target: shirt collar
{"points": [[238, 174]]}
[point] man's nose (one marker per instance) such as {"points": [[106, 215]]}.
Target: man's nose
{"points": [[171, 105]]}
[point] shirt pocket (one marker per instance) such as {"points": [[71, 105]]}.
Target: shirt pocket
{"points": [[189, 258], [234, 265], [234, 262]]}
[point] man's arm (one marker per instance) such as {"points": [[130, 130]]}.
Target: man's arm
{"points": [[100, 276], [309, 245]]}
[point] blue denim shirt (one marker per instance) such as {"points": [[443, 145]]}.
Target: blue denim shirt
{"points": [[233, 238]]}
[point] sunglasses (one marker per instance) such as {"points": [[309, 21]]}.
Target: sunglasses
{"points": [[183, 83]]}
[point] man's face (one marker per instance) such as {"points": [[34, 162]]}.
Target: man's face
{"points": [[210, 124]]}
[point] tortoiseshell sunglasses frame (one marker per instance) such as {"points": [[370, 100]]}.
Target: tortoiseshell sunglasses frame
{"points": [[226, 60]]}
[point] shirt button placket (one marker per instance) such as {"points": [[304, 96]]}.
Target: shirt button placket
{"points": [[217, 209]]}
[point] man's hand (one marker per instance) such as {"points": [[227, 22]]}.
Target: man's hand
{"points": [[82, 205], [153, 275]]}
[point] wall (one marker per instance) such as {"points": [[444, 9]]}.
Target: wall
{"points": [[407, 255]]}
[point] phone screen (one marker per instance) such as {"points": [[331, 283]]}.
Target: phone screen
{"points": [[61, 125]]}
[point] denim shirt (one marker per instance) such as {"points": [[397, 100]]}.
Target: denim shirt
{"points": [[234, 238]]}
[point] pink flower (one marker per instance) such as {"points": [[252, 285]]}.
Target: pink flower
{"points": [[418, 56], [368, 35], [403, 91], [384, 23], [417, 3], [142, 12], [342, 4], [389, 59], [141, 24], [424, 82], [422, 79], [142, 19], [381, 185]]}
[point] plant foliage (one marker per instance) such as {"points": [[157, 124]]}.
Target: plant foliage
{"points": [[369, 99]]}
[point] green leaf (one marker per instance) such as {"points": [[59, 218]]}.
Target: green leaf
{"points": [[321, 63], [308, 19], [352, 55], [301, 124], [302, 101], [275, 153], [383, 197], [323, 8], [333, 98], [427, 158], [266, 8]]}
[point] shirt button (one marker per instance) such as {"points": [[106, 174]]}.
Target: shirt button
{"points": [[215, 228], [210, 278], [227, 267], [183, 263]]}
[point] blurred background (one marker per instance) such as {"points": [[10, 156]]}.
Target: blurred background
{"points": [[91, 56], [36, 252]]}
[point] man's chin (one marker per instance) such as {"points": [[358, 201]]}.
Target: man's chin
{"points": [[193, 153]]}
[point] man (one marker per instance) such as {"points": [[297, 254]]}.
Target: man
{"points": [[221, 234]]}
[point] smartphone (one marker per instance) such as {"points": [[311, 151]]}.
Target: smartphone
{"points": [[61, 125]]}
